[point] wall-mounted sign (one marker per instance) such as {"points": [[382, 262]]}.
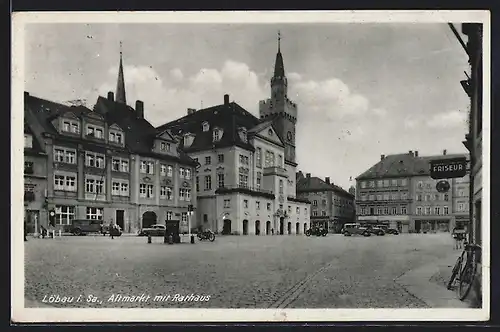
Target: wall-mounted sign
{"points": [[448, 168]]}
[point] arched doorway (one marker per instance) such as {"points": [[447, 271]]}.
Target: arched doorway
{"points": [[282, 226], [257, 227], [305, 228], [226, 228], [148, 219], [297, 228], [245, 227], [289, 228], [268, 227]]}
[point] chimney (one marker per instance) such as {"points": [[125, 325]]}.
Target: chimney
{"points": [[139, 108], [226, 99], [410, 153], [111, 96], [327, 179], [416, 153], [191, 110], [444, 152], [382, 156], [308, 175]]}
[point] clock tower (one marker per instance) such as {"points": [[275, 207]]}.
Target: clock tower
{"points": [[281, 109]]}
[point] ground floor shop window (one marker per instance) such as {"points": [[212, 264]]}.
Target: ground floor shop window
{"points": [[64, 214], [94, 213]]}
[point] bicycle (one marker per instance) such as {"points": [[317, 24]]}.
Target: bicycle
{"points": [[465, 274]]}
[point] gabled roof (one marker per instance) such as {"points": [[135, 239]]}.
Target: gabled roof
{"points": [[399, 165], [227, 117], [315, 184], [36, 147], [139, 133], [267, 123]]}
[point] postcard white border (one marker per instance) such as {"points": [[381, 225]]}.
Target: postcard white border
{"points": [[21, 314]]}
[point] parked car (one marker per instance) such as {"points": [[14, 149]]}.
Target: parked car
{"points": [[376, 230], [85, 226], [114, 230], [355, 229], [388, 230], [154, 230]]}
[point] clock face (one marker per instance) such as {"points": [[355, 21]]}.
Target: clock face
{"points": [[289, 135]]}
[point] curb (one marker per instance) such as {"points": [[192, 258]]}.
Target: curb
{"points": [[417, 282]]}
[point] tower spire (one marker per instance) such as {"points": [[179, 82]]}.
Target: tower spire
{"points": [[120, 85], [279, 41], [279, 68]]}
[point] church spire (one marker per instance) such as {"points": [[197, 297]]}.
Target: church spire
{"points": [[120, 85], [279, 68]]}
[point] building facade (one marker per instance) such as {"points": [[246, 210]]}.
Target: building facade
{"points": [[331, 206], [109, 163], [399, 192], [245, 180]]}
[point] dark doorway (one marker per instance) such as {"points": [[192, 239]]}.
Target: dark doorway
{"points": [[418, 226], [172, 228], [257, 227], [305, 228], [282, 226], [226, 228], [120, 218], [289, 228], [148, 219], [268, 227], [297, 228], [245, 227]]}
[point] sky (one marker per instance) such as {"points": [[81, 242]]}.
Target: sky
{"points": [[362, 89]]}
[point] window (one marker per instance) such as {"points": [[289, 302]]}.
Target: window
{"points": [[119, 188], [257, 205], [95, 131], [386, 210], [71, 126], [205, 126], [220, 180], [208, 182], [170, 171], [64, 214], [403, 182], [243, 135], [216, 135], [363, 184], [181, 172], [259, 180], [205, 218], [119, 165], [65, 182], [184, 194], [436, 197], [446, 197], [379, 197], [372, 184], [197, 183], [315, 213], [115, 137], [243, 180], [404, 195], [169, 215], [394, 182], [227, 203], [372, 197], [386, 183], [146, 190], [163, 169], [208, 160], [315, 203], [386, 197], [380, 183], [220, 158], [280, 160], [245, 203], [244, 159], [419, 210], [437, 210], [445, 210], [403, 210], [268, 206], [28, 141], [28, 167], [184, 217], [297, 210], [64, 155], [363, 197], [427, 210], [258, 157], [418, 197], [281, 186], [94, 185], [166, 192], [165, 147], [195, 159], [94, 213], [394, 210], [323, 213], [394, 196], [427, 197], [147, 167]]}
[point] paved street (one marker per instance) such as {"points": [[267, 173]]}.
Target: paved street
{"points": [[235, 271]]}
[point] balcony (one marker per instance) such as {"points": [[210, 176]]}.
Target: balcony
{"points": [[275, 170], [252, 191]]}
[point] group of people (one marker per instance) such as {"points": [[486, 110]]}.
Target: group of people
{"points": [[459, 235]]}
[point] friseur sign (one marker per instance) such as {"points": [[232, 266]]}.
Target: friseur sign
{"points": [[448, 168]]}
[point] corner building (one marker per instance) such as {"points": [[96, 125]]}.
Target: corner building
{"points": [[245, 180], [399, 192]]}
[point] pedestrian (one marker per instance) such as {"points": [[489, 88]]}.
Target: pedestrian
{"points": [[44, 231], [25, 231]]}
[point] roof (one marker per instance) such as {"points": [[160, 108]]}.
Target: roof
{"points": [[139, 133], [314, 184], [399, 165], [228, 117], [36, 147]]}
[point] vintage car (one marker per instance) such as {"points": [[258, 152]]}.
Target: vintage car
{"points": [[114, 230], [355, 229], [388, 230], [85, 226], [154, 230], [376, 230]]}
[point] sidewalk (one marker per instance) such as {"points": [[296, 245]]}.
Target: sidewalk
{"points": [[428, 283]]}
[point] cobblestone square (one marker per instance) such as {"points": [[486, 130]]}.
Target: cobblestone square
{"points": [[232, 272]]}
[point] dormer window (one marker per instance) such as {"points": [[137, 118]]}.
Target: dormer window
{"points": [[243, 134], [28, 141], [217, 134], [205, 126], [188, 140], [165, 147], [70, 126], [95, 131], [115, 137]]}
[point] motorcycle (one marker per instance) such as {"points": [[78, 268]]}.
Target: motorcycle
{"points": [[316, 231], [206, 235]]}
